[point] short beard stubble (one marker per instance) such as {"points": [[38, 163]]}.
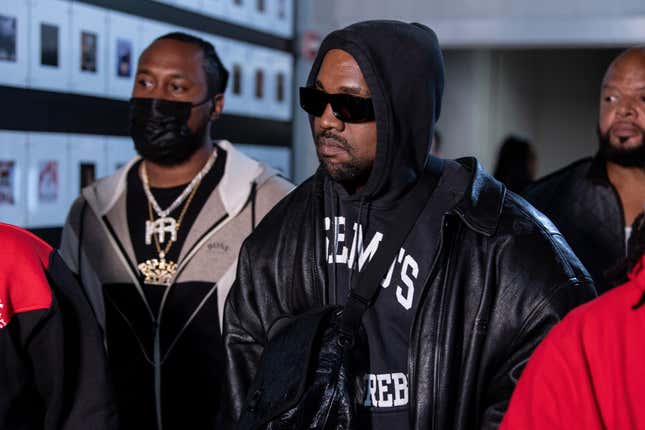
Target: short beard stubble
{"points": [[626, 157]]}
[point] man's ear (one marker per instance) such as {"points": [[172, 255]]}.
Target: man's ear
{"points": [[218, 106]]}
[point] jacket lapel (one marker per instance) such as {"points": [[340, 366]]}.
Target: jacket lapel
{"points": [[117, 218], [212, 211], [107, 199], [228, 198]]}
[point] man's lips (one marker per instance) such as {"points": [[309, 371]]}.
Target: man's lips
{"points": [[625, 130], [330, 147]]}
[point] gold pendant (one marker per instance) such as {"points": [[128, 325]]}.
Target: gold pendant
{"points": [[158, 271], [161, 227]]}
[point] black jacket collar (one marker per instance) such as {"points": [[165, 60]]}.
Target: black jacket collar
{"points": [[481, 207], [597, 172]]}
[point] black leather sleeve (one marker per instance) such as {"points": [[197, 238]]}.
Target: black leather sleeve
{"points": [[531, 334], [244, 339], [543, 281]]}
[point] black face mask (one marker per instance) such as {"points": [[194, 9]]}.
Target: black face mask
{"points": [[160, 130]]}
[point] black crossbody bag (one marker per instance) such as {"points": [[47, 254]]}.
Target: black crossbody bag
{"points": [[308, 373]]}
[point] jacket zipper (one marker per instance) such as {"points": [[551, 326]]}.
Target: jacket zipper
{"points": [[622, 216], [157, 359], [414, 339]]}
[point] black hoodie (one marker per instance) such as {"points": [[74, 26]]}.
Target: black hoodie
{"points": [[403, 67]]}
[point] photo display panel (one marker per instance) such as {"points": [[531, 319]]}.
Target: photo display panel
{"points": [[48, 199], [89, 50], [240, 82], [238, 11], [14, 46], [257, 60], [13, 175], [215, 8], [282, 15], [259, 15], [269, 16], [279, 67], [50, 53], [124, 48], [82, 60], [87, 161], [120, 150]]}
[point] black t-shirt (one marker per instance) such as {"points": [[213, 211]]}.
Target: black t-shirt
{"points": [[350, 246], [190, 350], [138, 214]]}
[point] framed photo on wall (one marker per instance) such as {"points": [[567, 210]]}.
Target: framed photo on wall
{"points": [[258, 104], [239, 92], [87, 161], [48, 200], [89, 50], [124, 47], [14, 46], [13, 175], [50, 53], [280, 70]]}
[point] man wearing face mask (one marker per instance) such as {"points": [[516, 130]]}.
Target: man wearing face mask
{"points": [[155, 245], [595, 201]]}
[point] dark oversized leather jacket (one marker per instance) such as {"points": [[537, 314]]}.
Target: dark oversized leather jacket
{"points": [[502, 278], [586, 208]]}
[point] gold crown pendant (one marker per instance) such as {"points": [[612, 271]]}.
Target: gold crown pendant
{"points": [[158, 271]]}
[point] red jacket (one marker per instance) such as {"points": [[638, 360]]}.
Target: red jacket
{"points": [[53, 372], [589, 372]]}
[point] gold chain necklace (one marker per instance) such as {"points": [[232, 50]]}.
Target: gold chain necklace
{"points": [[158, 271]]}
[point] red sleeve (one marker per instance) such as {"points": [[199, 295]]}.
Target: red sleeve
{"points": [[24, 262], [555, 390]]}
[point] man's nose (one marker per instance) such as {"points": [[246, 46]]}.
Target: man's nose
{"points": [[329, 120], [627, 108]]}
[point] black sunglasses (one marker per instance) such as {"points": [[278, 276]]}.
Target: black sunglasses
{"points": [[345, 107]]}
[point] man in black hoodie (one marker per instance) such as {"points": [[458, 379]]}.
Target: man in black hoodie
{"points": [[478, 282]]}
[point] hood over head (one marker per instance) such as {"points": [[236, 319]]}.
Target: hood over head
{"points": [[403, 67]]}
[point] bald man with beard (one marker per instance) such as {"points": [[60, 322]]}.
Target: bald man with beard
{"points": [[595, 201]]}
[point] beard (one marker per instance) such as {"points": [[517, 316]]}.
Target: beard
{"points": [[626, 157], [352, 172]]}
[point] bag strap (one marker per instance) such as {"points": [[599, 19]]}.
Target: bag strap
{"points": [[360, 297]]}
